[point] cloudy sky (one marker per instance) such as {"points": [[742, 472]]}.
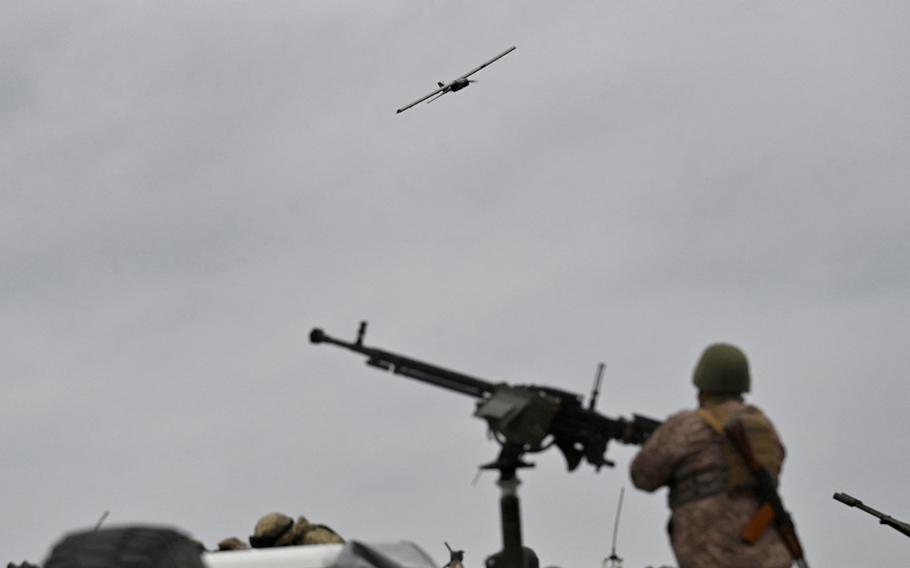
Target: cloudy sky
{"points": [[186, 189]]}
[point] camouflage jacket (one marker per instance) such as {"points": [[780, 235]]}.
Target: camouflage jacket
{"points": [[705, 532]]}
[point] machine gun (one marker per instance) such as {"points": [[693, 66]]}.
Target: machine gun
{"points": [[525, 416], [523, 419], [850, 501]]}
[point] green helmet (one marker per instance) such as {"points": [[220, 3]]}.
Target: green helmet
{"points": [[722, 369], [269, 529]]}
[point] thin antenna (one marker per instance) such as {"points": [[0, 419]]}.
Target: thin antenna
{"points": [[614, 561], [101, 520], [596, 391]]}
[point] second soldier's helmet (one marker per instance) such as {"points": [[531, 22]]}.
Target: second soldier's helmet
{"points": [[722, 369], [269, 529]]}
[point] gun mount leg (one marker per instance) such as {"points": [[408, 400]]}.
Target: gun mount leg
{"points": [[529, 560], [513, 554], [510, 511]]}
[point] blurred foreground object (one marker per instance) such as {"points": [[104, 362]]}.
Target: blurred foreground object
{"points": [[159, 547], [232, 543], [278, 529], [126, 547], [352, 554]]}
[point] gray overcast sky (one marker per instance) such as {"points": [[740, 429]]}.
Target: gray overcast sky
{"points": [[187, 189]]}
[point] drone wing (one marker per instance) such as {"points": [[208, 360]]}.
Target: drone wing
{"points": [[420, 100], [503, 54]]}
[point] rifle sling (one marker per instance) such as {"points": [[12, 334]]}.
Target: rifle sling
{"points": [[713, 422], [757, 524]]}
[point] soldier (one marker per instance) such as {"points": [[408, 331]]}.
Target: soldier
{"points": [[304, 532], [712, 494], [269, 529], [278, 529], [232, 543]]}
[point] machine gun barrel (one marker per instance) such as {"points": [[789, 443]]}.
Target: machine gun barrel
{"points": [[412, 368], [850, 501], [523, 416]]}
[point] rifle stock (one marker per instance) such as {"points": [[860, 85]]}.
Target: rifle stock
{"points": [[758, 523]]}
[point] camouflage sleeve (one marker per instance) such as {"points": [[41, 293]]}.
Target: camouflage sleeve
{"points": [[654, 465], [783, 449], [780, 443]]}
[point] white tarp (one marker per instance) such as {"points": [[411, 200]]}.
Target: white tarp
{"points": [[354, 554]]}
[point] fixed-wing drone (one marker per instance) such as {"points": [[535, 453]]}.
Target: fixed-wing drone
{"points": [[454, 85]]}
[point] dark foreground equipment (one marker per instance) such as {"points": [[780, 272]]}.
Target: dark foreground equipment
{"points": [[850, 501], [523, 419], [771, 508], [126, 547]]}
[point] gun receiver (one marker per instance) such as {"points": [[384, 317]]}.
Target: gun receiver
{"points": [[850, 501], [521, 416]]}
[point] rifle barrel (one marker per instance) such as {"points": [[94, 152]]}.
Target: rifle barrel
{"points": [[888, 520]]}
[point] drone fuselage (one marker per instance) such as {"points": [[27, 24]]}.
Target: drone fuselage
{"points": [[458, 84]]}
